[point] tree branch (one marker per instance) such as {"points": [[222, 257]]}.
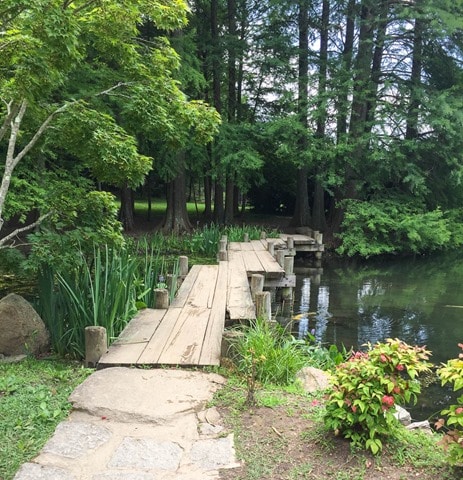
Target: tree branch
{"points": [[39, 133], [18, 231], [10, 113]]}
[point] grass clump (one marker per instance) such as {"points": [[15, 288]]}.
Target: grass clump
{"points": [[33, 400], [268, 354]]}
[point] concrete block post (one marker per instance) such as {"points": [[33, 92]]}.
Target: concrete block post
{"points": [[271, 248], [96, 344], [280, 257], [264, 306], [182, 266], [257, 284], [161, 298]]}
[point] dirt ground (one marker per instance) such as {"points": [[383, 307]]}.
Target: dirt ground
{"points": [[282, 443]]}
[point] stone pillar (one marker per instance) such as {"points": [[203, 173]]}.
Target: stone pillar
{"points": [[161, 298], [257, 284], [96, 344], [264, 306]]}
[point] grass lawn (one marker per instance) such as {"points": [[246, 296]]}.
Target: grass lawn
{"points": [[33, 400]]}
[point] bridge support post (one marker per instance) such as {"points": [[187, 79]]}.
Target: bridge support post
{"points": [[96, 344], [161, 298], [264, 306]]}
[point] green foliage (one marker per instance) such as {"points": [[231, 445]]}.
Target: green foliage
{"points": [[102, 145], [267, 354], [368, 386], [387, 226], [80, 220], [34, 399], [318, 356], [102, 289], [452, 372]]}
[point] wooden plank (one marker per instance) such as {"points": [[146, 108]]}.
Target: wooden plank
{"points": [[259, 245], [122, 354], [252, 263], [212, 346], [236, 246], [271, 267], [185, 288], [239, 301], [246, 246], [141, 327], [157, 343], [298, 239], [184, 344], [202, 292], [281, 282]]}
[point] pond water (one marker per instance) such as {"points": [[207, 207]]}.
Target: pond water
{"points": [[418, 300]]}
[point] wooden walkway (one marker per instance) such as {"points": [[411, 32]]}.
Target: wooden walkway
{"points": [[189, 332]]}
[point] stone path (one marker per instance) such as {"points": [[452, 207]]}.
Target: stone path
{"points": [[131, 424]]}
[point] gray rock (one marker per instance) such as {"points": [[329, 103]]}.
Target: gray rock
{"points": [[75, 439], [145, 453], [23, 331], [214, 453], [33, 471], [313, 379], [123, 476], [402, 415]]}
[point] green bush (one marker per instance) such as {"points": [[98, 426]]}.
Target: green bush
{"points": [[384, 226], [452, 372], [366, 388], [268, 354]]}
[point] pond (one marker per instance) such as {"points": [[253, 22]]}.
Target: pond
{"points": [[418, 300]]}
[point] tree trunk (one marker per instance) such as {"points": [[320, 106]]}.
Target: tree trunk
{"points": [[207, 198], [126, 213], [218, 203], [301, 216], [231, 104], [229, 200], [415, 81], [176, 219], [318, 212]]}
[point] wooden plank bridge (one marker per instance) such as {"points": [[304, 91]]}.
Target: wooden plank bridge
{"points": [[189, 332]]}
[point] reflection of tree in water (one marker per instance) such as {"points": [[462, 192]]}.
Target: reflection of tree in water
{"points": [[407, 299], [377, 324]]}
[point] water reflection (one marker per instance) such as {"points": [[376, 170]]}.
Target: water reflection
{"points": [[419, 301]]}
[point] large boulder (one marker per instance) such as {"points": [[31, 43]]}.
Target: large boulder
{"points": [[21, 329]]}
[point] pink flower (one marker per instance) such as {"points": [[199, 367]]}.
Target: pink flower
{"points": [[354, 408], [400, 367], [459, 410], [383, 358], [387, 401]]}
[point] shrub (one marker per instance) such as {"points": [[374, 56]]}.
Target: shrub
{"points": [[268, 354], [385, 226], [452, 372], [367, 387]]}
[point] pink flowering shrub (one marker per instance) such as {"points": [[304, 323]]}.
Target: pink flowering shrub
{"points": [[366, 388], [452, 372]]}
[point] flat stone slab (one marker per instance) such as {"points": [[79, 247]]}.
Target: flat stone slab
{"points": [[128, 394], [145, 453], [33, 471], [123, 476], [75, 439], [131, 424], [214, 453]]}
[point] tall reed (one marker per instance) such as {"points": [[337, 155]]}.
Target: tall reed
{"points": [[104, 290]]}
